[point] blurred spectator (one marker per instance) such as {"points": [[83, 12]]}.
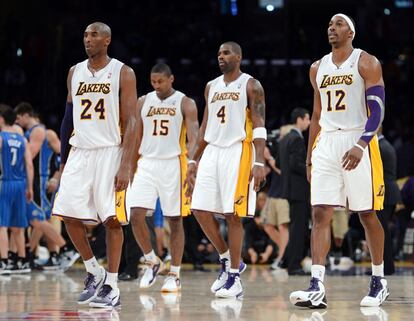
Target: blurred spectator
{"points": [[295, 188]]}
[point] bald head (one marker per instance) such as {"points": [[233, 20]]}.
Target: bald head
{"points": [[100, 27], [235, 47]]}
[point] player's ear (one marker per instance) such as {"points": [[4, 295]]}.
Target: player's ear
{"points": [[107, 41], [172, 78]]}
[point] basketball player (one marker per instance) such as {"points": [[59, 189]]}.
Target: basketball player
{"points": [[100, 107], [16, 186], [344, 159], [233, 121], [166, 117], [38, 210]]}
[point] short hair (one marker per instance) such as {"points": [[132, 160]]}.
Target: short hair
{"points": [[102, 28], [24, 108], [8, 114], [161, 68], [235, 47], [298, 112]]}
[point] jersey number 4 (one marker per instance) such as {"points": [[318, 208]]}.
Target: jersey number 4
{"points": [[99, 109], [339, 95], [222, 114]]}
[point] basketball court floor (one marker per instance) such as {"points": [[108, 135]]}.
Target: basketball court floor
{"points": [[52, 296]]}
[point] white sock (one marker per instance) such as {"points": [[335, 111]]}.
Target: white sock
{"points": [[378, 270], [318, 271], [234, 271], [225, 255], [92, 266], [175, 269], [151, 257], [112, 279]]}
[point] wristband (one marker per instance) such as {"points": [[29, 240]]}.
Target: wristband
{"points": [[191, 161], [258, 164], [359, 146], [259, 132]]}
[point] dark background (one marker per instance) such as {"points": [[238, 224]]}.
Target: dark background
{"points": [[41, 40]]}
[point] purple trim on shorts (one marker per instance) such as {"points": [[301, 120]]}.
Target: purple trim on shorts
{"points": [[363, 211], [327, 205], [76, 219]]}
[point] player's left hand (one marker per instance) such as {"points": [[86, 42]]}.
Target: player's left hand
{"points": [[122, 178], [259, 175], [52, 185], [352, 158]]}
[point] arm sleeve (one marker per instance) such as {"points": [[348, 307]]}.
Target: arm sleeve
{"points": [[375, 101], [66, 129]]}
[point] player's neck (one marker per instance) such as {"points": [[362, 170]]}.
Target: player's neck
{"points": [[166, 95], [98, 62], [7, 128], [341, 54], [32, 122], [231, 76]]}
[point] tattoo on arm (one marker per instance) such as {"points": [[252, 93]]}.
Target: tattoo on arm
{"points": [[257, 101]]}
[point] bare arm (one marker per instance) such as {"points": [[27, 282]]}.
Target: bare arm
{"points": [[37, 136], [256, 98], [29, 173], [138, 135], [128, 99], [189, 109], [53, 140], [314, 127]]}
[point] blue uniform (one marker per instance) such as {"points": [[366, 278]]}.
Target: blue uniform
{"points": [[12, 181], [40, 208], [158, 216]]}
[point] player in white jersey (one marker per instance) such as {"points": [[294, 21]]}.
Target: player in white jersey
{"points": [[100, 111], [166, 117], [233, 122], [343, 160]]}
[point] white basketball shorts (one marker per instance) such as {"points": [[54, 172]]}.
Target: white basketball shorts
{"points": [[332, 185], [87, 187], [222, 184], [161, 178]]}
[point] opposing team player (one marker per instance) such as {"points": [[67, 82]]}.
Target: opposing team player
{"points": [[16, 187], [100, 111], [344, 161], [233, 122], [166, 118]]}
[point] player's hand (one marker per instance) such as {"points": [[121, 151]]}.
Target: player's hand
{"points": [[352, 158], [309, 173], [259, 175], [52, 185], [122, 178], [29, 195], [190, 179]]}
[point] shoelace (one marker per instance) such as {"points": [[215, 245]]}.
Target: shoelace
{"points": [[223, 267], [171, 276], [89, 280], [375, 286], [105, 290], [313, 286]]}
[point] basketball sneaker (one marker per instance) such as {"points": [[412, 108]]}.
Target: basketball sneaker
{"points": [[93, 283], [172, 283], [378, 292], [150, 274], [222, 278], [107, 297], [232, 288], [53, 263], [68, 258], [19, 266], [314, 297], [4, 269]]}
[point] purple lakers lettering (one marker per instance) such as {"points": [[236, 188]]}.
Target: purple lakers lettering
{"points": [[93, 88], [153, 110], [336, 80], [225, 96]]}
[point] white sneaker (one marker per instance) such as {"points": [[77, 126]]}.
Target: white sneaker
{"points": [[107, 297], [314, 297], [233, 287], [150, 274], [378, 292], [222, 278], [172, 283]]}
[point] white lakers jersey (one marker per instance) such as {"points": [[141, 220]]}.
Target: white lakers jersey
{"points": [[342, 92], [228, 114], [96, 106], [164, 132]]}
